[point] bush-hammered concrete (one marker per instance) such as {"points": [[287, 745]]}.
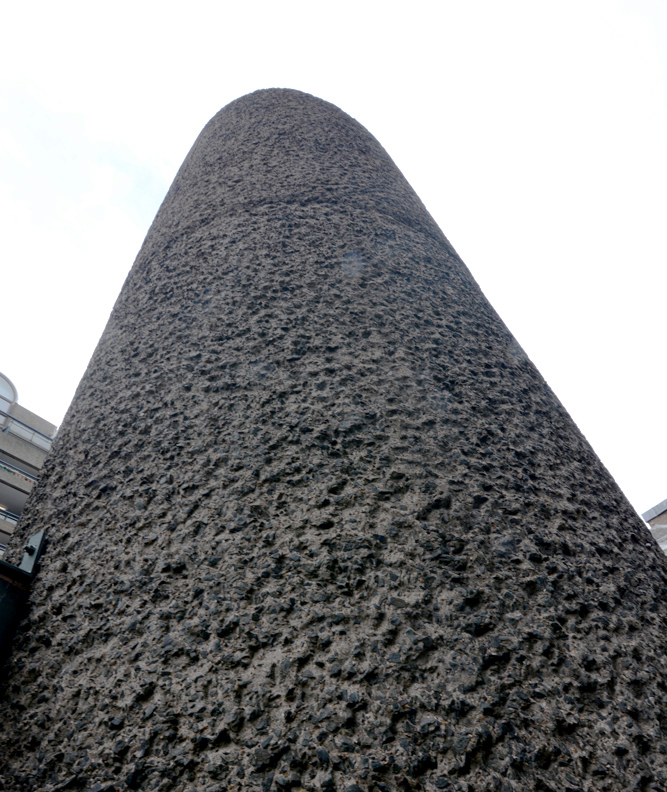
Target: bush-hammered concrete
{"points": [[315, 520]]}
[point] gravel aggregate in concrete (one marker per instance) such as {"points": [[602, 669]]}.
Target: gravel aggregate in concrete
{"points": [[317, 523]]}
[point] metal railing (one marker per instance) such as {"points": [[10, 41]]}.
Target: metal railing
{"points": [[17, 471], [26, 432], [8, 516], [12, 519]]}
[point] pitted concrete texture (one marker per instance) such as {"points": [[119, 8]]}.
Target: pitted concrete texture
{"points": [[315, 520]]}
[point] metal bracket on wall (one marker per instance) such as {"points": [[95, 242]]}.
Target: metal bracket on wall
{"points": [[32, 553]]}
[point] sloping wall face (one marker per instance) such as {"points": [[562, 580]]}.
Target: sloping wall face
{"points": [[315, 520]]}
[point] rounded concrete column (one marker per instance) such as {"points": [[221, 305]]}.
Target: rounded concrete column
{"points": [[316, 522]]}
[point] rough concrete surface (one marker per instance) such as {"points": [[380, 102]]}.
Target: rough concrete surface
{"points": [[315, 520]]}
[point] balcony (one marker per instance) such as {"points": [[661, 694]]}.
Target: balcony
{"points": [[25, 432], [8, 517], [8, 522], [16, 477]]}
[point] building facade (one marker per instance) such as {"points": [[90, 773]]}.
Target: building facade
{"points": [[25, 441], [657, 521]]}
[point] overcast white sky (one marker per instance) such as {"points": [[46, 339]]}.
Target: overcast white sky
{"points": [[535, 133]]}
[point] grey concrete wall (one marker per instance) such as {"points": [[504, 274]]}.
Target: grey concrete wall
{"points": [[14, 480], [33, 420], [658, 527], [6, 532], [21, 451], [660, 535], [316, 522]]}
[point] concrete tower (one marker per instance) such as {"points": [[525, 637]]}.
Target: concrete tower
{"points": [[315, 520]]}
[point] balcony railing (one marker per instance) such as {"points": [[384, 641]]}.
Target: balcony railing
{"points": [[25, 432], [22, 474], [8, 516], [7, 519]]}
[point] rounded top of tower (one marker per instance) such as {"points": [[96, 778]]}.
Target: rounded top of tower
{"points": [[282, 147]]}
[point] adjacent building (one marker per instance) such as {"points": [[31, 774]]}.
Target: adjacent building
{"points": [[657, 521], [25, 441]]}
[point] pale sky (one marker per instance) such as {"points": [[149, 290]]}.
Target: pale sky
{"points": [[534, 132]]}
